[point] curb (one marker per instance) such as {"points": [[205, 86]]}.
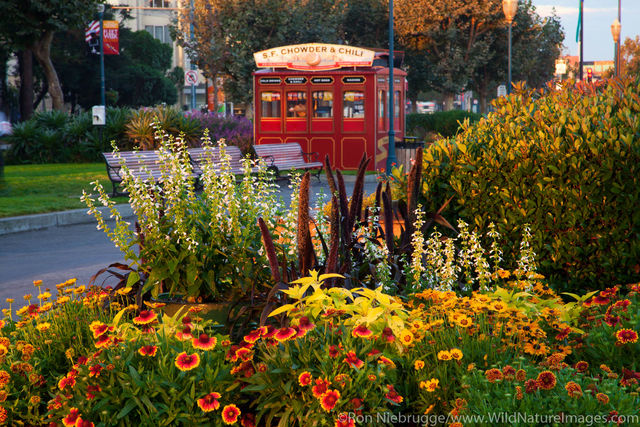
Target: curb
{"points": [[56, 219]]}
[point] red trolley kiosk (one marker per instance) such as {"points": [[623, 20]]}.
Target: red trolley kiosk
{"points": [[332, 99]]}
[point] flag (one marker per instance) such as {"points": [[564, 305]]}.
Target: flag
{"points": [[93, 28], [579, 21]]}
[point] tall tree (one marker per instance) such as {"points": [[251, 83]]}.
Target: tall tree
{"points": [[451, 34], [630, 56], [226, 33], [32, 24], [536, 44]]}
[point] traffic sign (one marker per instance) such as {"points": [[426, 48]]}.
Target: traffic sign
{"points": [[561, 66], [502, 90], [191, 77]]}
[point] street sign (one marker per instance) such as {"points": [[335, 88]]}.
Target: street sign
{"points": [[502, 90], [561, 67], [191, 77], [98, 114]]}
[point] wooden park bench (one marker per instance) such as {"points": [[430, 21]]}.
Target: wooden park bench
{"points": [[288, 156], [142, 164], [146, 164]]}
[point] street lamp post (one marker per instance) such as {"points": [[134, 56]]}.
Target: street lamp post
{"points": [[509, 7], [615, 32], [391, 157], [102, 83]]}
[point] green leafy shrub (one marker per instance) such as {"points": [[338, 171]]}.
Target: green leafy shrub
{"points": [[567, 163], [140, 129], [443, 123]]}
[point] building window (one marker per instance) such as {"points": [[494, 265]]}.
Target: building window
{"points": [[159, 32], [323, 104], [353, 104], [159, 3], [296, 104], [270, 104]]}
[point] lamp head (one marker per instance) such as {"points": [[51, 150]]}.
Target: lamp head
{"points": [[509, 7], [615, 30]]}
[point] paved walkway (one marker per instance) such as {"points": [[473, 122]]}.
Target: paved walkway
{"points": [[56, 254]]}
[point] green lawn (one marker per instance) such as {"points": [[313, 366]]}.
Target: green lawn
{"points": [[30, 189]]}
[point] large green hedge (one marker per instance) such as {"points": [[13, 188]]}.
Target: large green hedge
{"points": [[443, 123], [567, 162]]}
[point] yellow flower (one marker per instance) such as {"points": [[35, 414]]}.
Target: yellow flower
{"points": [[430, 385], [418, 364], [456, 354], [406, 337], [28, 297], [46, 307], [79, 290], [503, 274], [9, 300], [63, 300], [22, 311], [43, 326], [37, 283], [444, 355], [123, 291], [44, 296]]}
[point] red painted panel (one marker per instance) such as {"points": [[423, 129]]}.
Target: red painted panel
{"points": [[322, 125], [269, 140], [296, 125], [350, 151], [353, 125], [324, 146], [270, 125]]}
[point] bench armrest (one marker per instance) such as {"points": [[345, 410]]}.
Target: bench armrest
{"points": [[269, 158], [314, 155]]}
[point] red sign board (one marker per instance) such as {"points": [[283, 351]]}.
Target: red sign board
{"points": [[111, 37]]}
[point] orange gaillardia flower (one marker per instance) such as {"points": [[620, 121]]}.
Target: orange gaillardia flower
{"points": [[253, 336], [284, 334], [602, 398], [209, 402], [148, 350], [320, 388], [352, 360], [345, 420], [362, 331], [582, 366], [573, 389], [418, 364], [329, 400], [230, 414], [431, 385], [456, 354], [71, 418], [98, 328], [444, 355], [304, 324], [204, 342], [83, 423], [187, 362], [406, 337], [304, 379], [145, 317], [625, 336], [393, 395], [546, 380], [493, 375]]}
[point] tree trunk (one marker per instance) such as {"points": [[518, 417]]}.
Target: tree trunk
{"points": [[42, 52], [25, 64], [4, 99], [448, 101]]}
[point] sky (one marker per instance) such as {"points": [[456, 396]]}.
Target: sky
{"points": [[598, 17]]}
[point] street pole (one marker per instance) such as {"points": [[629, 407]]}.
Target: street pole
{"points": [[618, 53], [102, 83], [391, 158], [509, 54], [193, 67], [581, 38]]}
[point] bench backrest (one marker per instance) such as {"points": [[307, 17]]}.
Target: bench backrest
{"points": [[288, 152], [136, 161], [199, 156]]}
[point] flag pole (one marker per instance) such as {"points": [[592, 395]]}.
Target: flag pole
{"points": [[581, 24]]}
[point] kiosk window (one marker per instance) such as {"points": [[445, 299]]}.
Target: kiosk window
{"points": [[353, 104], [270, 104], [322, 104], [382, 99], [396, 101], [296, 104]]}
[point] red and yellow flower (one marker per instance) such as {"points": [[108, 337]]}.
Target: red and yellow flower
{"points": [[209, 402], [362, 331], [145, 317], [353, 360], [546, 380], [329, 400], [284, 334], [187, 362], [204, 342], [430, 385], [625, 336], [304, 379], [230, 414], [71, 418], [321, 387], [148, 350], [573, 389]]}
